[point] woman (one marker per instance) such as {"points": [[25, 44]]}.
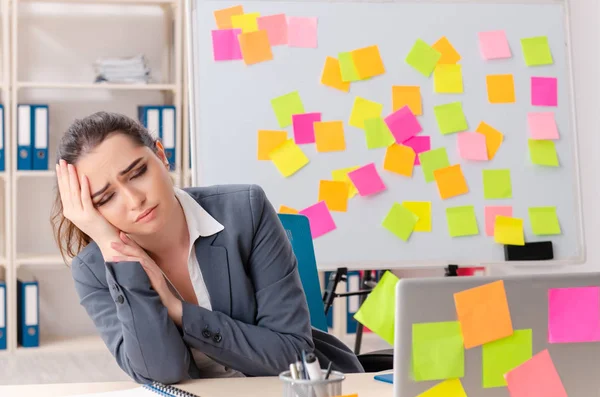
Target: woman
{"points": [[180, 284]]}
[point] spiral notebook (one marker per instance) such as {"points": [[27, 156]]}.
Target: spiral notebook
{"points": [[151, 389]]}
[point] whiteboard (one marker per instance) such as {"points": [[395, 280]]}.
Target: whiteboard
{"points": [[231, 102]]}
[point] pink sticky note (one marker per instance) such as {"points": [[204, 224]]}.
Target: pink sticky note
{"points": [[419, 144], [493, 45], [542, 125], [544, 91], [226, 46], [302, 32], [536, 377], [319, 219], [490, 216], [366, 179], [574, 315], [403, 124], [471, 146], [276, 27], [304, 131]]}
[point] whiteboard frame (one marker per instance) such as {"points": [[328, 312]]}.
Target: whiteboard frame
{"points": [[190, 30]]}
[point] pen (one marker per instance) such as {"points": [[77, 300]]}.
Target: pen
{"points": [[328, 370]]}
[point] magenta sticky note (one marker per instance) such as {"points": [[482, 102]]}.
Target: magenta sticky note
{"points": [[403, 124], [276, 27], [419, 144], [493, 45], [574, 315], [304, 131], [302, 32], [319, 219], [366, 179], [544, 91], [226, 46], [542, 125], [471, 146], [491, 212]]}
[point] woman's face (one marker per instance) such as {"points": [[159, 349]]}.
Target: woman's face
{"points": [[129, 184]]}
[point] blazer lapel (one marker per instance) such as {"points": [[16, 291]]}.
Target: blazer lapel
{"points": [[215, 271]]}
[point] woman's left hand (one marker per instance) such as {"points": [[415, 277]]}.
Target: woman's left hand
{"points": [[132, 252]]}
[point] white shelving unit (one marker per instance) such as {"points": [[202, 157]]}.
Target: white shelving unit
{"points": [[25, 232]]}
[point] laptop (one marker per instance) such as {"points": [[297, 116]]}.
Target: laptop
{"points": [[426, 300]]}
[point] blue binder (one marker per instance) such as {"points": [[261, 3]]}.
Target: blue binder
{"points": [[167, 134], [2, 158], [28, 330], [352, 302], [330, 312], [2, 315], [39, 129], [297, 229], [149, 116], [24, 155]]}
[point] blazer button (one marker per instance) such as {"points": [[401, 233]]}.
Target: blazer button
{"points": [[218, 338], [206, 333], [120, 299]]}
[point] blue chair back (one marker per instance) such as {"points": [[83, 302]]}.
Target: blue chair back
{"points": [[297, 229]]}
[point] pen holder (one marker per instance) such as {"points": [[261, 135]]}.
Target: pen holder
{"points": [[312, 388]]}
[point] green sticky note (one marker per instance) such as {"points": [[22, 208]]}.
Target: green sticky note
{"points": [[285, 106], [496, 184], [462, 221], [437, 351], [536, 51], [423, 57], [503, 355], [432, 160], [543, 152], [377, 133], [347, 68], [544, 221], [379, 309], [401, 221], [450, 118]]}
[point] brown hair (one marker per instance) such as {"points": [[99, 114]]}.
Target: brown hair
{"points": [[81, 138]]}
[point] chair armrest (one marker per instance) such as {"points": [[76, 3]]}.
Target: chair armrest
{"points": [[376, 361]]}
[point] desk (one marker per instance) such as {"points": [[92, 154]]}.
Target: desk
{"points": [[363, 384]]}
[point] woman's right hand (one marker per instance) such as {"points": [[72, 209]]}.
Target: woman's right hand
{"points": [[79, 209]]}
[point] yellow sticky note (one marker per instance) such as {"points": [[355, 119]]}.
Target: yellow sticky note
{"points": [[449, 53], [329, 136], [332, 75], [223, 16], [399, 159], [447, 79], [255, 47], [342, 175], [406, 95], [500, 88], [364, 109], [368, 62], [422, 209], [335, 195], [247, 22], [450, 181], [493, 138], [287, 210], [447, 388], [288, 158], [508, 230], [269, 140]]}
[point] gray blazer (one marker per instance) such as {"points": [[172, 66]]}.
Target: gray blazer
{"points": [[260, 320]]}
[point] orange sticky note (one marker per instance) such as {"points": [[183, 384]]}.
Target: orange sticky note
{"points": [[450, 181], [500, 88], [368, 62], [329, 136], [406, 95], [223, 16], [332, 75], [255, 47], [269, 140], [287, 210], [483, 314], [449, 53], [493, 138], [399, 159], [335, 195]]}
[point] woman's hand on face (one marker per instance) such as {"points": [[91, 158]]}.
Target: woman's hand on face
{"points": [[79, 209], [131, 252]]}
